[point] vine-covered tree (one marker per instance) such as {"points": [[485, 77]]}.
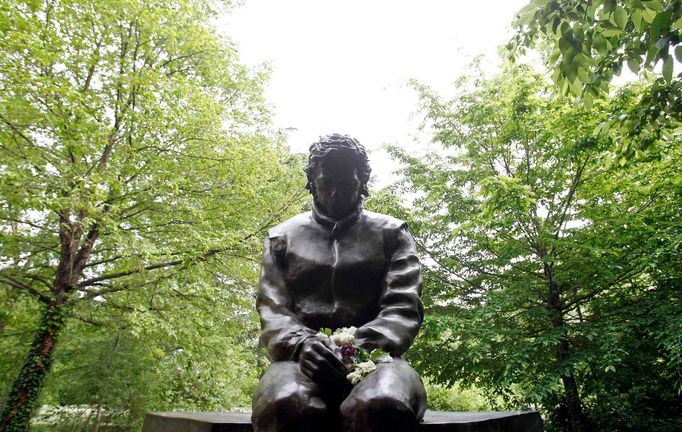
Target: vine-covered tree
{"points": [[133, 148], [550, 279]]}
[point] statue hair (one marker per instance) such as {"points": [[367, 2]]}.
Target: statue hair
{"points": [[347, 149]]}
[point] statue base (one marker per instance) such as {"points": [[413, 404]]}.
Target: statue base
{"points": [[434, 421]]}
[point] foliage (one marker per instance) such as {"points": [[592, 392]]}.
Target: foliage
{"points": [[454, 398], [545, 280], [587, 43], [138, 174]]}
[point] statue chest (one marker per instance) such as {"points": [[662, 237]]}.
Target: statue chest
{"points": [[336, 282]]}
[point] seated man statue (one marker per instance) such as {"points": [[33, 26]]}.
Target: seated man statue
{"points": [[338, 266]]}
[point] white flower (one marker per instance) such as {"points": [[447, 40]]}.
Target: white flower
{"points": [[354, 377], [344, 335], [360, 371], [365, 367]]}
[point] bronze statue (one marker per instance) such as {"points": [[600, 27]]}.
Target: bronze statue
{"points": [[338, 266]]}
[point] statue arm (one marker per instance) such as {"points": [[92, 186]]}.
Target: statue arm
{"points": [[401, 310], [282, 332]]}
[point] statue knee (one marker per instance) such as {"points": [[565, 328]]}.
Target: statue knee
{"points": [[289, 409], [377, 413]]}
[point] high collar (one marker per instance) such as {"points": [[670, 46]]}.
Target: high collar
{"points": [[337, 225]]}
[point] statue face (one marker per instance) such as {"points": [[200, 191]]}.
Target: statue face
{"points": [[337, 189]]}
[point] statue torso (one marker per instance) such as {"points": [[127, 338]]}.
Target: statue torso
{"points": [[335, 278]]}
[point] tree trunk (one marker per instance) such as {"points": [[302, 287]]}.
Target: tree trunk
{"points": [[98, 417], [22, 399], [576, 417]]}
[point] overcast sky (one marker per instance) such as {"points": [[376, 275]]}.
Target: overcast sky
{"points": [[342, 66]]}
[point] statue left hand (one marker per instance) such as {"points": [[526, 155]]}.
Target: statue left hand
{"points": [[320, 360]]}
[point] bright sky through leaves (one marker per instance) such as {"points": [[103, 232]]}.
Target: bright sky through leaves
{"points": [[342, 66]]}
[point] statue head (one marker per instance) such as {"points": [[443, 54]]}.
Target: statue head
{"points": [[338, 171]]}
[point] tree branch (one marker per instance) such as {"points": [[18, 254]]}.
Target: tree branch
{"points": [[16, 130], [569, 197], [15, 283], [94, 294]]}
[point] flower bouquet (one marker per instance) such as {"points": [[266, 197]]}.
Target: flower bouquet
{"points": [[360, 362]]}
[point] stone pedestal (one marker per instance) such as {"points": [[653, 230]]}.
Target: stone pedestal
{"points": [[434, 421]]}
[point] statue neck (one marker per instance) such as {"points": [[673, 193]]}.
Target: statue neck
{"points": [[337, 225]]}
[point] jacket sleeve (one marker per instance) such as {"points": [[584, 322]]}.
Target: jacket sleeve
{"points": [[282, 333], [401, 311]]}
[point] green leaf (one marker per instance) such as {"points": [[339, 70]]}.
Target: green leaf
{"points": [[651, 54], [565, 45], [581, 60], [637, 19], [621, 17], [634, 65], [526, 14], [566, 31], [677, 25], [380, 356], [362, 355], [555, 24], [612, 31], [648, 15], [668, 68], [663, 42], [678, 53], [660, 22], [600, 44], [576, 87], [653, 5]]}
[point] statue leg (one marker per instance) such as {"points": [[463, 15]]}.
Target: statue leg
{"points": [[287, 401], [392, 398]]}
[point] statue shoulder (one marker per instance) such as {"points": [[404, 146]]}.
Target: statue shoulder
{"points": [[383, 221], [291, 225]]}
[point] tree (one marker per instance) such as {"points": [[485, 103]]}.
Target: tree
{"points": [[540, 279], [137, 167], [587, 43]]}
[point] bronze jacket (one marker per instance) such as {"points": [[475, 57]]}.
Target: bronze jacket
{"points": [[318, 272]]}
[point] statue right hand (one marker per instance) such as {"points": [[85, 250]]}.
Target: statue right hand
{"points": [[320, 361]]}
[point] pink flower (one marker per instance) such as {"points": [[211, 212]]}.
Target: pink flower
{"points": [[348, 351]]}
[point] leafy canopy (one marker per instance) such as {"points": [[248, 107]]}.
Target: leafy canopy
{"points": [[138, 173], [546, 273], [585, 44]]}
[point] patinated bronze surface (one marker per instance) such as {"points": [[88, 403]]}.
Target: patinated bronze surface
{"points": [[338, 266]]}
